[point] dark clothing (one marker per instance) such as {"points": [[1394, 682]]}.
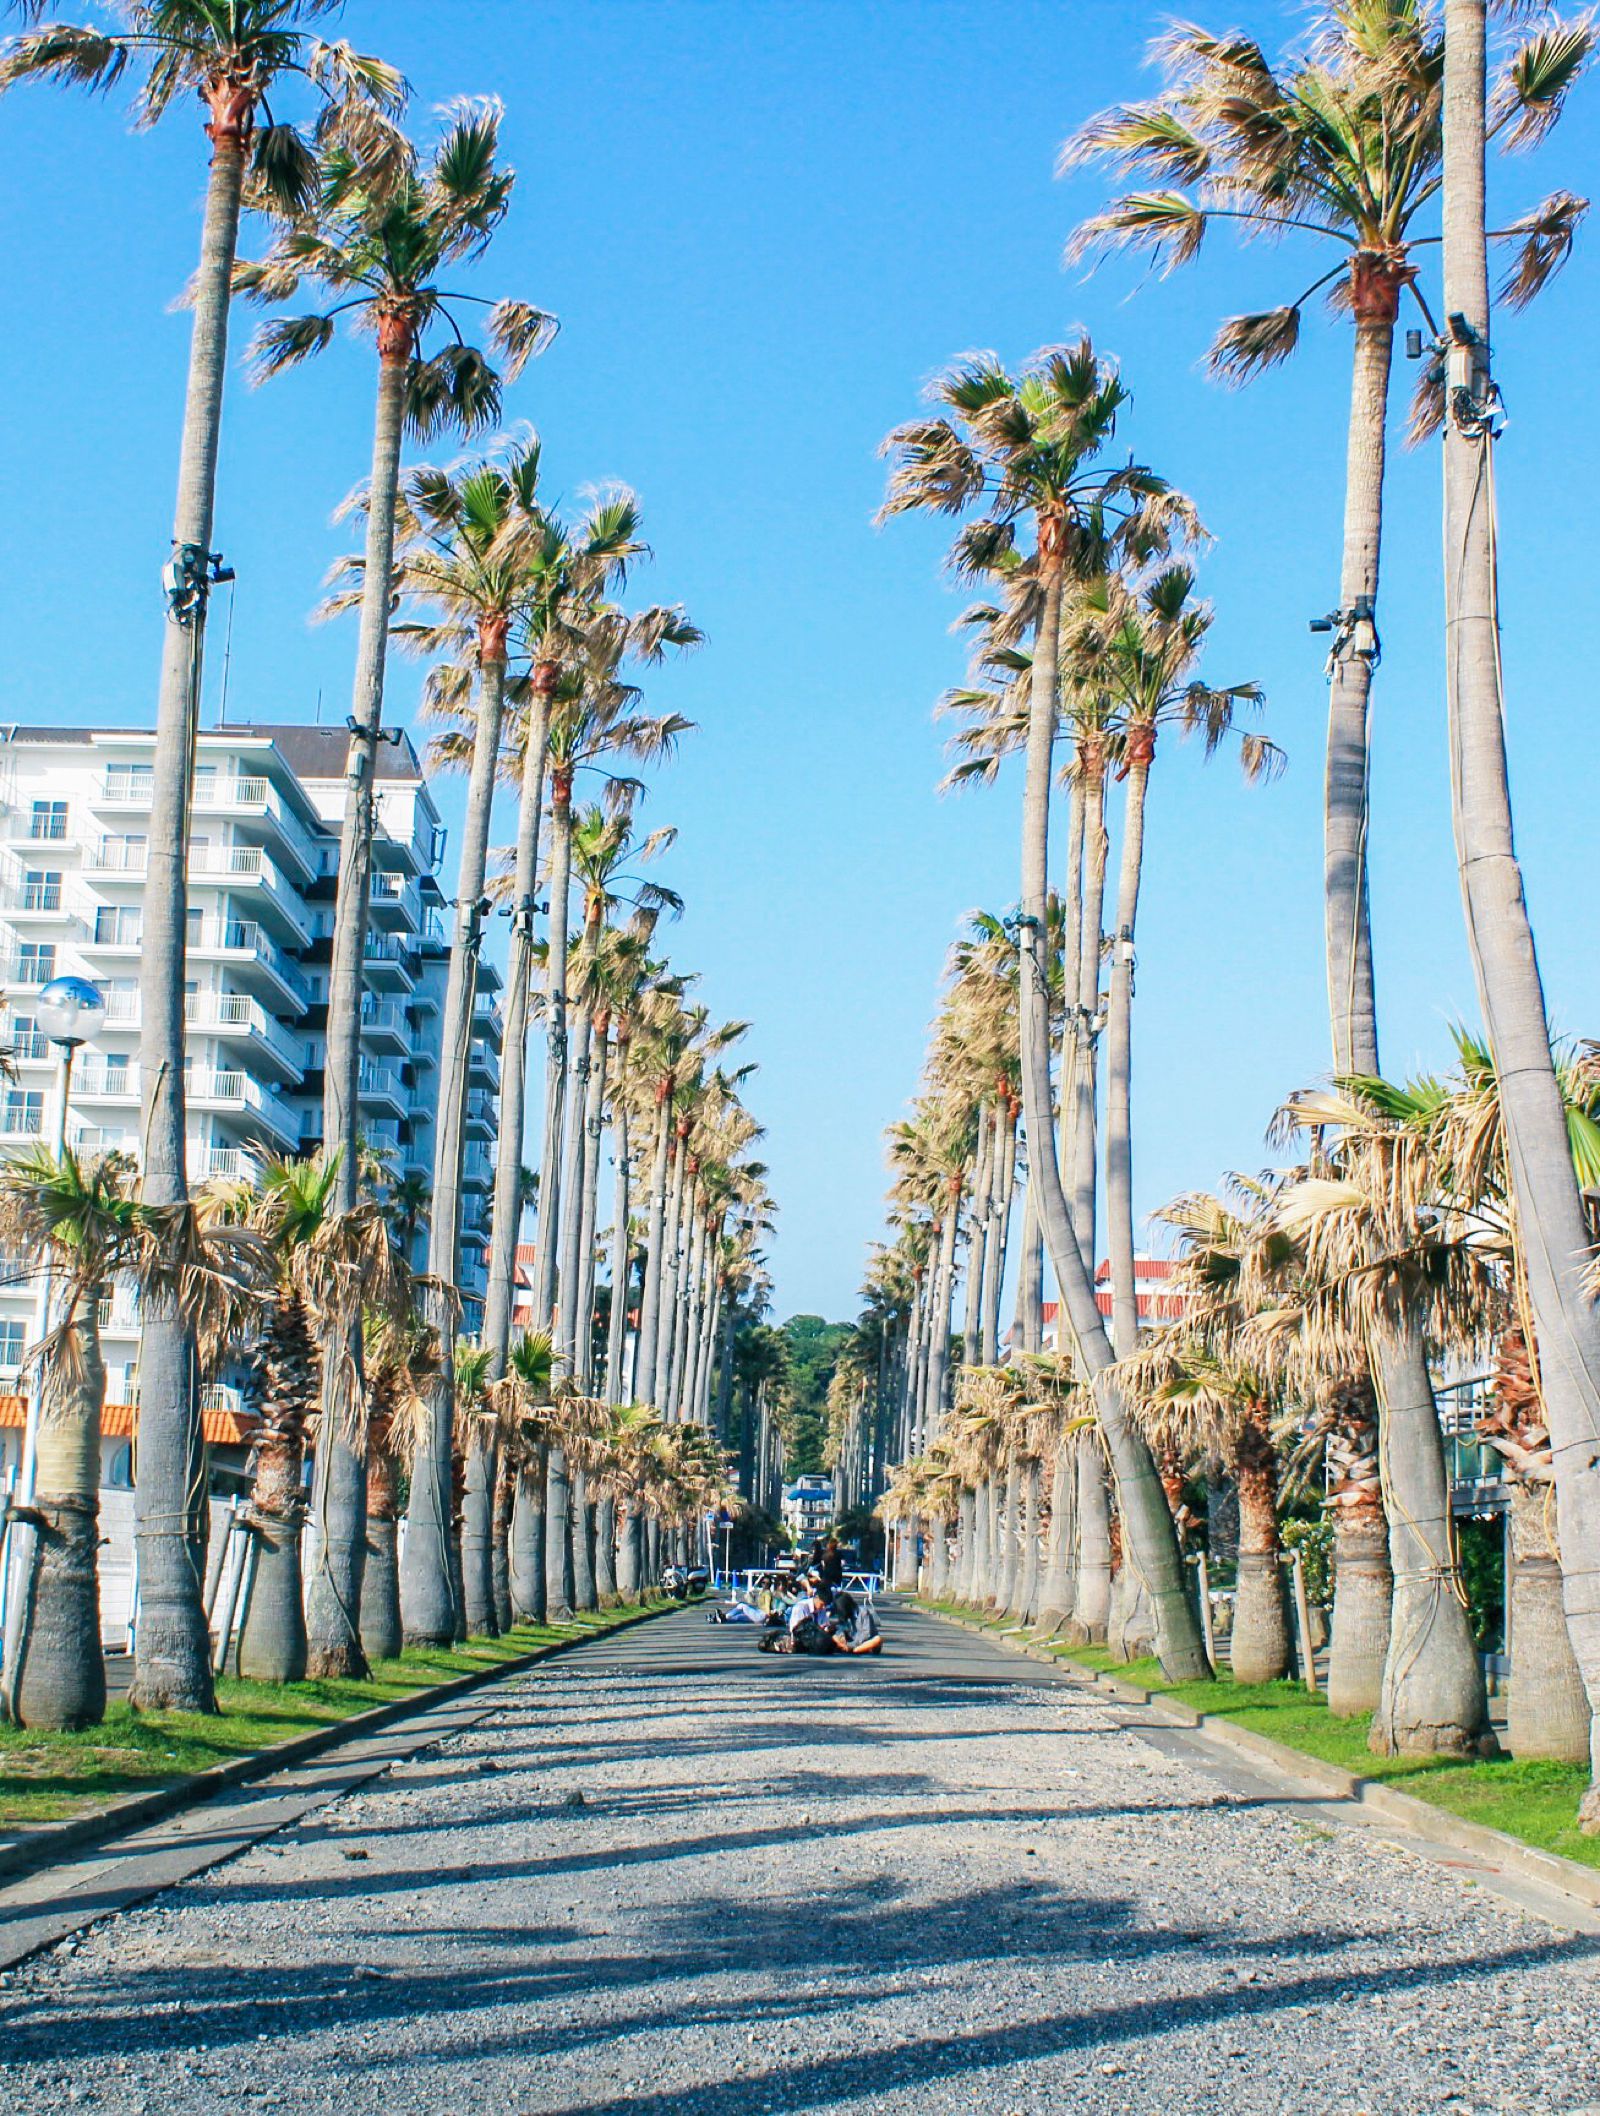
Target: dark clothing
{"points": [[859, 1628], [831, 1566]]}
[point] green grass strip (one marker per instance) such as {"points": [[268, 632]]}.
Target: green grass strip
{"points": [[1536, 1802], [47, 1777]]}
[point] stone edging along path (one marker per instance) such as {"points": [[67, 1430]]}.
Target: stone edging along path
{"points": [[35, 1845], [1437, 1825]]}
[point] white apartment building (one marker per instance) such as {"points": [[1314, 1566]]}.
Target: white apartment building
{"points": [[268, 803]]}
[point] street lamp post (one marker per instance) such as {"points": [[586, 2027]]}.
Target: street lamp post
{"points": [[70, 1011]]}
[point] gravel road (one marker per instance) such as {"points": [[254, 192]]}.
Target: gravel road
{"points": [[676, 1875]]}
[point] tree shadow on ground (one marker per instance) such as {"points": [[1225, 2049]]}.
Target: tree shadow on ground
{"points": [[711, 1959]]}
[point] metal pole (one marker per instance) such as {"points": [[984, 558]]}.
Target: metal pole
{"points": [[1302, 1610], [1205, 1609]]}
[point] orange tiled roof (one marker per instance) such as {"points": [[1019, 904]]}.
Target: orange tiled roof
{"points": [[120, 1421]]}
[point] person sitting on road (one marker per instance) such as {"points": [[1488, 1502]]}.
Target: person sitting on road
{"points": [[810, 1603], [854, 1628]]}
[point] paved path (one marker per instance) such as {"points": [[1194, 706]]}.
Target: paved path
{"points": [[673, 1875]]}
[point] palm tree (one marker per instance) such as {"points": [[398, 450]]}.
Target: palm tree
{"points": [[1138, 644], [522, 1395], [1025, 450], [290, 1211], [231, 54], [476, 1437], [81, 1216], [398, 1355], [1499, 929], [602, 849], [378, 243], [326, 1267]]}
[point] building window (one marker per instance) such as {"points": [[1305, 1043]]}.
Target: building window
{"points": [[48, 820], [11, 1344], [24, 1112], [118, 925], [119, 1469], [41, 890], [36, 962]]}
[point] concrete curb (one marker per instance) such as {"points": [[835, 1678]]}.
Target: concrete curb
{"points": [[46, 1843], [1435, 1824]]}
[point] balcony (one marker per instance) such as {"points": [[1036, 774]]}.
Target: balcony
{"points": [[21, 1120], [483, 1067], [477, 1170], [231, 1092], [388, 964], [245, 868], [488, 1022], [232, 1015], [222, 1164], [99, 1079], [380, 1088], [394, 902], [252, 955], [25, 828], [250, 801], [482, 1116], [384, 1027], [31, 1047], [28, 969]]}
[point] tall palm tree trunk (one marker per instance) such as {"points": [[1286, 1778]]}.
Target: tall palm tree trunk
{"points": [[1055, 1588], [644, 1349], [1363, 1583], [938, 1371], [1119, 1053], [477, 1538], [505, 1224], [1499, 931], [381, 1636], [621, 1251], [529, 1600], [425, 1594], [977, 1240], [339, 1488], [1030, 1274], [1432, 1695], [557, 1056], [593, 1127], [1152, 1543], [569, 1270], [667, 1296], [729, 1325], [172, 1658], [559, 1585], [1260, 1646], [1084, 1116]]}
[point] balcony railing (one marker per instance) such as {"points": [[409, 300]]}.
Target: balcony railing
{"points": [[21, 1121], [229, 1164], [29, 1045], [240, 936]]}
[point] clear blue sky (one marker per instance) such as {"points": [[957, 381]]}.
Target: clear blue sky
{"points": [[764, 225]]}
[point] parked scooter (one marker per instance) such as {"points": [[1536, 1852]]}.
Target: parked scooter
{"points": [[685, 1583]]}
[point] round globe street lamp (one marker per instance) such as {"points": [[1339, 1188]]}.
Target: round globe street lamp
{"points": [[70, 1012]]}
